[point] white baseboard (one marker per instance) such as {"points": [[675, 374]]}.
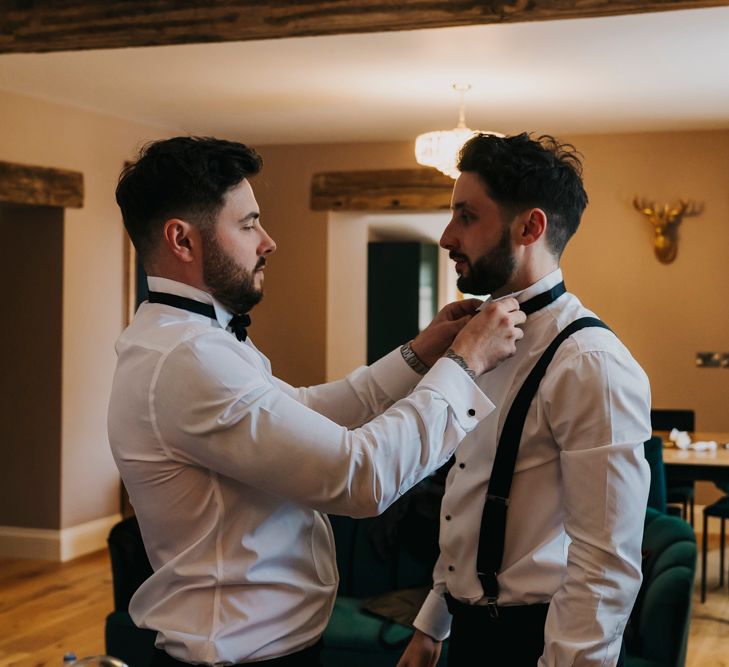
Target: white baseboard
{"points": [[56, 545]]}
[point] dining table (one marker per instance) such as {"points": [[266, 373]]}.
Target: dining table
{"points": [[689, 464]]}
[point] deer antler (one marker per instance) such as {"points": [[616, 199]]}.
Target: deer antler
{"points": [[671, 215], [647, 208], [684, 209], [665, 223]]}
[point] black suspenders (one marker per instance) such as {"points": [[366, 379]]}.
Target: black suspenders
{"points": [[493, 521]]}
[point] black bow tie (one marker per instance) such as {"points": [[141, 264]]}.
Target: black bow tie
{"points": [[544, 299], [238, 324]]}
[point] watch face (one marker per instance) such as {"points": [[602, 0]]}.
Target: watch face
{"points": [[413, 360]]}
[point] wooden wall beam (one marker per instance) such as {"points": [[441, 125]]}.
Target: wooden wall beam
{"points": [[40, 186], [387, 190], [50, 25]]}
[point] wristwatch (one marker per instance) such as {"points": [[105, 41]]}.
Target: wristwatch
{"points": [[413, 360]]}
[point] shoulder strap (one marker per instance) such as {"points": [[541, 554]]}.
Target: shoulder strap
{"points": [[493, 521]]}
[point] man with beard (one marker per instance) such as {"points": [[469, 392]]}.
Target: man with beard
{"points": [[230, 469], [542, 518]]}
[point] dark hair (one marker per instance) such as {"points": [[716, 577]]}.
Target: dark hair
{"points": [[183, 177], [520, 172]]}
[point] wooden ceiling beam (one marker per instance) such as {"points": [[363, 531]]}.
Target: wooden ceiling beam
{"points": [[49, 25], [40, 186], [384, 190]]}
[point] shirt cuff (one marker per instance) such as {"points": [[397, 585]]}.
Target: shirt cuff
{"points": [[393, 375], [469, 403], [434, 619]]}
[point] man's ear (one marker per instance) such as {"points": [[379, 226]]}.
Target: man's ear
{"points": [[180, 237], [531, 226]]}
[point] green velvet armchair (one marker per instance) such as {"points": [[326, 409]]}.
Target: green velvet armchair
{"points": [[657, 633], [129, 568]]}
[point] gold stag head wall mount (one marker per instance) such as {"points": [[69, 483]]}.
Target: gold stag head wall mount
{"points": [[665, 221]]}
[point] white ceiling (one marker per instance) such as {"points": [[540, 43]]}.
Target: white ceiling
{"points": [[661, 71]]}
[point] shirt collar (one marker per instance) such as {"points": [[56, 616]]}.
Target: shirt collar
{"points": [[542, 285], [158, 284]]}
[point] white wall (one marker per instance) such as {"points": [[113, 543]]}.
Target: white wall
{"points": [[348, 235]]}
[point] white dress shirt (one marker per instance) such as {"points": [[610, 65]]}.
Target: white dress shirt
{"points": [[230, 470], [579, 492]]}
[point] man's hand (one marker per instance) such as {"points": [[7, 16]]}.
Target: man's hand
{"points": [[422, 651], [432, 342], [490, 336]]}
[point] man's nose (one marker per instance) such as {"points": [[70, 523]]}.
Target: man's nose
{"points": [[267, 245], [447, 240]]}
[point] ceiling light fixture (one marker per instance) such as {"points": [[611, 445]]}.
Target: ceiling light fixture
{"points": [[440, 148]]}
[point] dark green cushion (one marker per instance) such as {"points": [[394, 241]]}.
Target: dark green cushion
{"points": [[658, 629], [392, 552], [356, 638], [351, 627], [654, 456], [126, 641], [640, 662]]}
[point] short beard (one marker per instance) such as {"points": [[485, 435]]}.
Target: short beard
{"points": [[228, 282], [490, 272]]}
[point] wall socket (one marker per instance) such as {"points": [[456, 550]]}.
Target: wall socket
{"points": [[712, 359]]}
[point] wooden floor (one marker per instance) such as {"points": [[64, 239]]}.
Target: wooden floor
{"points": [[47, 609]]}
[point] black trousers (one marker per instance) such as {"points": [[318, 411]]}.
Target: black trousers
{"points": [[309, 657], [514, 638]]}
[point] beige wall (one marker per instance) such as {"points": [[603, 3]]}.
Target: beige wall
{"points": [[347, 250], [664, 313], [293, 316], [49, 135]]}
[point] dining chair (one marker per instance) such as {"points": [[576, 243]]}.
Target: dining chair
{"points": [[678, 492], [719, 510]]}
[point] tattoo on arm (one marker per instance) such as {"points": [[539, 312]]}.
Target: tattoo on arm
{"points": [[450, 354]]}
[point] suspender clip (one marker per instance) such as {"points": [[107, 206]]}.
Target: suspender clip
{"points": [[491, 606], [498, 499]]}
